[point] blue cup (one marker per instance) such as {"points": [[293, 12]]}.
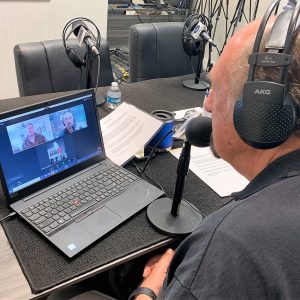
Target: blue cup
{"points": [[167, 118]]}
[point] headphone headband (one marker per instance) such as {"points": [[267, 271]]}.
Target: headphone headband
{"points": [[280, 40], [266, 115]]}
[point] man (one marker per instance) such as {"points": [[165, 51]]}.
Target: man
{"points": [[250, 248], [69, 123], [33, 138]]}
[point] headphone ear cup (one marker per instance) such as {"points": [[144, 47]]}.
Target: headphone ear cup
{"points": [[190, 46], [74, 58], [264, 125]]}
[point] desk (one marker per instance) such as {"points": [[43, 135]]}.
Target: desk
{"points": [[148, 95], [145, 9], [118, 26]]}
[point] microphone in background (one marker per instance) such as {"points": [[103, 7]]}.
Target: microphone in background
{"points": [[200, 31], [176, 217], [84, 35]]}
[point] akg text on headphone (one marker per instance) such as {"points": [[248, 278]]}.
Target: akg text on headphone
{"points": [[266, 115]]}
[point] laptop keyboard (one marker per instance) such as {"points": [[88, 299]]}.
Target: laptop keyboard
{"points": [[90, 194]]}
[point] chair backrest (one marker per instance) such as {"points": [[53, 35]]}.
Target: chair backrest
{"points": [[44, 67], [156, 51]]}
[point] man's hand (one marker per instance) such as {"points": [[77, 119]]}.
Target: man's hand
{"points": [[155, 272]]}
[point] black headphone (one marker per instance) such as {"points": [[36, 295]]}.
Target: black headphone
{"points": [[190, 46], [266, 115], [74, 58]]}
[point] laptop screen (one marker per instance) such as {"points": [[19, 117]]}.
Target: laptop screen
{"points": [[47, 140]]}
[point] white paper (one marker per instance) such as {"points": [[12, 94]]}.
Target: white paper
{"points": [[215, 172], [125, 131]]}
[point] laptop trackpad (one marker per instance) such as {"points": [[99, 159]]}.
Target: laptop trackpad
{"points": [[101, 221]]}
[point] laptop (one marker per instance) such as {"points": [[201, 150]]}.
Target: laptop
{"points": [[56, 176]]}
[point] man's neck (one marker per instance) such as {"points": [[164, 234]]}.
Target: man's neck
{"points": [[260, 159]]}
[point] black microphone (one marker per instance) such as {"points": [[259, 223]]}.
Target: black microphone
{"points": [[82, 32], [163, 214], [200, 30], [198, 131]]}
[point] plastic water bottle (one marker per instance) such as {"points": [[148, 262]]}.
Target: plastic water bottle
{"points": [[113, 96]]}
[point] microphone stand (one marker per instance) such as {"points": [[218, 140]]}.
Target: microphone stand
{"points": [[197, 84], [182, 170], [89, 67], [175, 217]]}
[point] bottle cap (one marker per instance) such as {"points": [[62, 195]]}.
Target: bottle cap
{"points": [[114, 84]]}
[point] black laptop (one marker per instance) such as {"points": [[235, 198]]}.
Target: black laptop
{"points": [[56, 176]]}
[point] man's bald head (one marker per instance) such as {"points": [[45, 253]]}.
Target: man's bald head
{"points": [[234, 59], [228, 77]]}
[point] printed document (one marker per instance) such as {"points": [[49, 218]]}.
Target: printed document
{"points": [[125, 131], [215, 172]]}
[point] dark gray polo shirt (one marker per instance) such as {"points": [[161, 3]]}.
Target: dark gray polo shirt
{"points": [[250, 249]]}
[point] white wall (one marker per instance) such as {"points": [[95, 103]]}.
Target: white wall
{"points": [[37, 20]]}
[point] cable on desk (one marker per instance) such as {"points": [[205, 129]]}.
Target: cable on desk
{"points": [[137, 13], [8, 216], [141, 170], [138, 168], [112, 9], [153, 149]]}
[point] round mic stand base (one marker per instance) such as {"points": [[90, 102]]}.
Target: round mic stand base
{"points": [[200, 86], [160, 217]]}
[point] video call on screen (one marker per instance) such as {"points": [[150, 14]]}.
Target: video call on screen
{"points": [[49, 140]]}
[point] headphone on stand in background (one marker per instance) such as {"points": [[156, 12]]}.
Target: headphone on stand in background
{"points": [[190, 45], [267, 115], [74, 58]]}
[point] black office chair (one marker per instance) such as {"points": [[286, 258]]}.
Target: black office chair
{"points": [[44, 67], [156, 51]]}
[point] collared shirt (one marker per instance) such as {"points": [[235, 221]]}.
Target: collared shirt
{"points": [[250, 248]]}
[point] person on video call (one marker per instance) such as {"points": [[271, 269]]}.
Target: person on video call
{"points": [[69, 123], [250, 248], [33, 138]]}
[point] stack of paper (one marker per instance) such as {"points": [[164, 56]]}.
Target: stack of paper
{"points": [[125, 131], [215, 172]]}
